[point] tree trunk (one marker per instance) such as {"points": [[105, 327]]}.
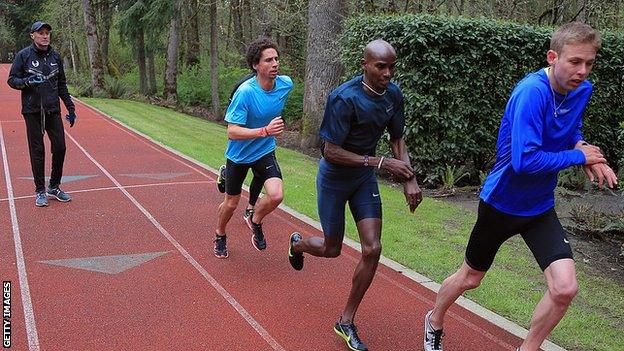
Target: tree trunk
{"points": [[171, 70], [323, 67], [106, 14], [151, 73], [192, 44], [235, 10], [95, 58], [214, 85], [73, 57], [140, 56]]}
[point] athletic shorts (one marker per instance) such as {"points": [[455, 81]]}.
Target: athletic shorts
{"points": [[543, 234], [335, 186], [264, 168]]}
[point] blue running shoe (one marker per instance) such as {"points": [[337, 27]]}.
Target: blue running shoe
{"points": [[59, 194], [348, 332], [41, 200]]}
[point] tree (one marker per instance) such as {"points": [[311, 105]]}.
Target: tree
{"points": [[95, 57], [192, 33], [171, 70], [214, 85], [323, 67]]}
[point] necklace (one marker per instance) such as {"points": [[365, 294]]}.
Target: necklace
{"points": [[555, 107], [373, 90]]}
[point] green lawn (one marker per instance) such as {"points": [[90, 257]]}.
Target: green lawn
{"points": [[431, 241]]}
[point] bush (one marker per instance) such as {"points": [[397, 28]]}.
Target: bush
{"points": [[115, 88], [457, 74]]}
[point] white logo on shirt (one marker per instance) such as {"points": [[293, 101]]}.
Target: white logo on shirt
{"points": [[375, 195], [566, 241], [35, 63], [53, 64]]}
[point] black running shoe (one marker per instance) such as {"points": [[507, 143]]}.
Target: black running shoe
{"points": [[295, 258], [221, 179], [247, 216], [220, 246], [348, 332], [257, 239]]}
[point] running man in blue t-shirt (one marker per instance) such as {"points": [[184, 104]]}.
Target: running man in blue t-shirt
{"points": [[356, 115], [254, 119], [540, 134]]}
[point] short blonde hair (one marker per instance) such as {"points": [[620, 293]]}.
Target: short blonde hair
{"points": [[574, 33]]}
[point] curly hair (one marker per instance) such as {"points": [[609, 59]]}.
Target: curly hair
{"points": [[255, 49]]}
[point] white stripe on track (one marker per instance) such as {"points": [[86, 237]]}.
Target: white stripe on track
{"points": [[149, 185], [29, 314], [218, 287]]}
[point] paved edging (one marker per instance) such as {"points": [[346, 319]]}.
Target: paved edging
{"points": [[468, 304]]}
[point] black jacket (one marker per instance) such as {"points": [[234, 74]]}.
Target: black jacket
{"points": [[29, 62]]}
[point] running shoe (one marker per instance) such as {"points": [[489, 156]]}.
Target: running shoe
{"points": [[247, 216], [59, 194], [348, 332], [220, 246], [221, 179], [295, 258], [257, 239], [432, 338], [41, 200]]}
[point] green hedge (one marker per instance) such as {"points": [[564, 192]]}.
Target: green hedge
{"points": [[456, 75]]}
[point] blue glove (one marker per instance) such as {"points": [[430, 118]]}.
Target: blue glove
{"points": [[71, 118], [34, 81]]}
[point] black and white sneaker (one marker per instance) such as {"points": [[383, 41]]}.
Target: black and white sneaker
{"points": [[432, 338], [247, 216], [220, 246], [257, 238], [295, 258], [221, 179]]}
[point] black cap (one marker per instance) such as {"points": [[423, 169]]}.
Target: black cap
{"points": [[38, 25]]}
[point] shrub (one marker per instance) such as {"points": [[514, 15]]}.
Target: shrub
{"points": [[457, 74]]}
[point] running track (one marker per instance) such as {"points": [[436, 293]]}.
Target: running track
{"points": [[140, 229]]}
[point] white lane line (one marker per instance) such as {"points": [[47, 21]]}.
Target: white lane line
{"points": [[29, 314], [218, 287], [115, 188]]}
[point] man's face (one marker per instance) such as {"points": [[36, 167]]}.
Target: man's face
{"points": [[268, 65], [41, 38], [379, 69], [572, 66]]}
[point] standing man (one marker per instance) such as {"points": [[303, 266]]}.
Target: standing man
{"points": [[254, 120], [38, 72], [356, 116], [540, 134]]}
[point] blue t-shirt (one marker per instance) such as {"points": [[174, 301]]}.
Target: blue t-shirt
{"points": [[356, 121], [253, 107], [534, 145]]}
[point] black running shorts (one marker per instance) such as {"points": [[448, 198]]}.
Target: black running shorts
{"points": [[543, 234], [264, 168]]}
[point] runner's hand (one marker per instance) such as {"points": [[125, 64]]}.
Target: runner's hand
{"points": [[275, 127], [413, 194], [71, 118], [592, 153], [602, 172], [398, 168]]}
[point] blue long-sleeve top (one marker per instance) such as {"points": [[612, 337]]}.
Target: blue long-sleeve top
{"points": [[536, 140]]}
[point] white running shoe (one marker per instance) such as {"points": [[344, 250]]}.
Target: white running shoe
{"points": [[432, 338]]}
